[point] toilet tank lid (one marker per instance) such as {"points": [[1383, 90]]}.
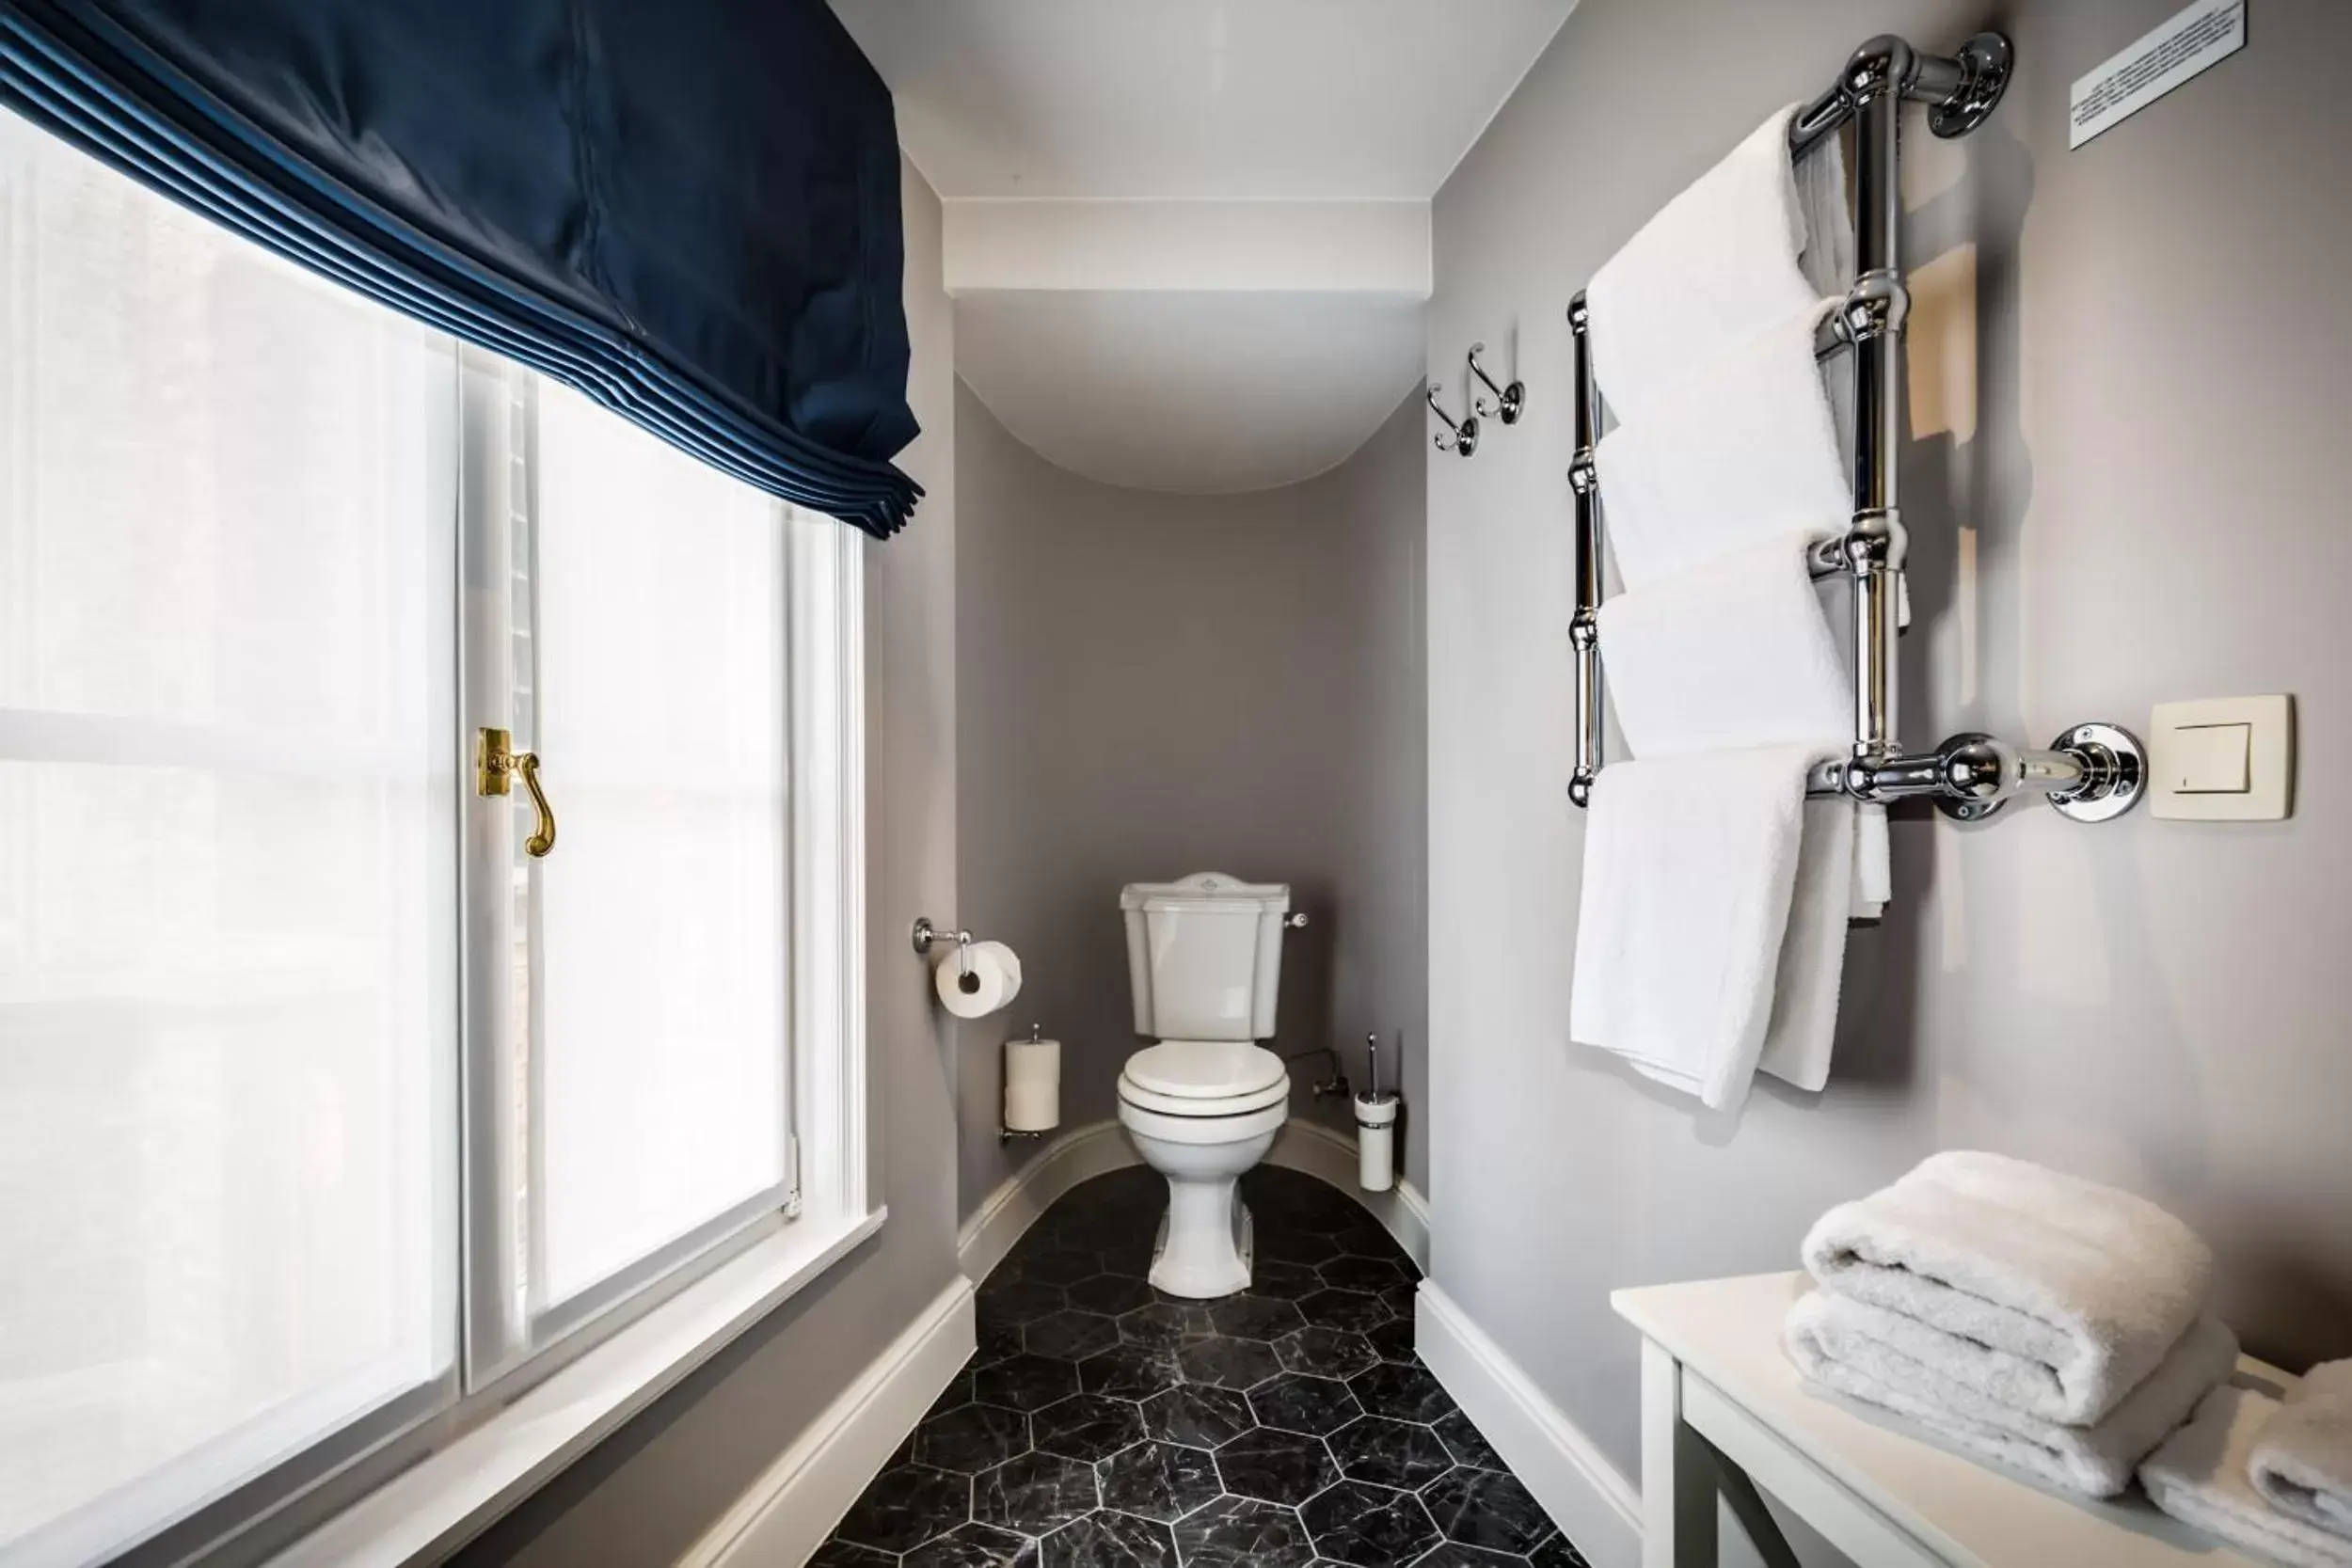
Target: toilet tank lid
{"points": [[1206, 889], [1205, 1069]]}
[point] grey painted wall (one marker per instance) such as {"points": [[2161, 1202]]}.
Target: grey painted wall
{"points": [[1153, 684], [649, 1491], [2125, 485]]}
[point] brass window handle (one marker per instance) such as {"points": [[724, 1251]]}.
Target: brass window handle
{"points": [[495, 763]]}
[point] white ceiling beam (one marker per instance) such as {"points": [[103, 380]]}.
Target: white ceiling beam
{"points": [[1349, 247]]}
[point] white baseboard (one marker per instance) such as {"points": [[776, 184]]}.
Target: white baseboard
{"points": [[790, 1510], [1586, 1496], [1101, 1147], [1078, 1155]]}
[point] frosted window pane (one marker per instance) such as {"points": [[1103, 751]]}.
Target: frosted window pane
{"points": [[227, 941], [660, 698]]}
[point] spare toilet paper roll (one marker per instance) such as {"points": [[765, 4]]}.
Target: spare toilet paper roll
{"points": [[988, 981], [1032, 1084]]}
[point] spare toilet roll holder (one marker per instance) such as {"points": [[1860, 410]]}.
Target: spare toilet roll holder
{"points": [[1006, 1135], [2090, 773]]}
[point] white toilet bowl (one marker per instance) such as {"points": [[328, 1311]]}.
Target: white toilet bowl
{"points": [[1200, 1113]]}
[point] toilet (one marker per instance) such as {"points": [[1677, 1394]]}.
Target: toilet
{"points": [[1204, 957]]}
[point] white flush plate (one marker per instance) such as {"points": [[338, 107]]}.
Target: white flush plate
{"points": [[2225, 759]]}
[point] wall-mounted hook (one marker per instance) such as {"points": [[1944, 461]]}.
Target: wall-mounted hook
{"points": [[1462, 437], [1510, 401]]}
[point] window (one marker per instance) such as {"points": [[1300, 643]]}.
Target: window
{"points": [[328, 1115]]}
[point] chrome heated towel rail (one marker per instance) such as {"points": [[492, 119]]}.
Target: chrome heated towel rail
{"points": [[2093, 771]]}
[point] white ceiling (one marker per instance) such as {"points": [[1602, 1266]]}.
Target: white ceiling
{"points": [[1196, 393], [1196, 100]]}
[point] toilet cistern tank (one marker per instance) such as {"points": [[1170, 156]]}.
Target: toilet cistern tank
{"points": [[1204, 956]]}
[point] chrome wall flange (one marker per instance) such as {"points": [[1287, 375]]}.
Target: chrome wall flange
{"points": [[2115, 772], [1985, 62]]}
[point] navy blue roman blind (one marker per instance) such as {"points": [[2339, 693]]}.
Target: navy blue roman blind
{"points": [[687, 208]]}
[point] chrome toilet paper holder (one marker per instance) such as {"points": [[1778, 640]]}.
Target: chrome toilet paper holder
{"points": [[925, 936]]}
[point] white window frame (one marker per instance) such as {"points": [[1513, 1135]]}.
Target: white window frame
{"points": [[414, 1479]]}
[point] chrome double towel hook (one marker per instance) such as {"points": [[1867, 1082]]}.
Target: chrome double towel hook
{"points": [[1509, 401], [1462, 437]]}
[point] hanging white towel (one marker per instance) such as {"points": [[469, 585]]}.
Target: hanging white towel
{"points": [[1731, 654], [2303, 1459], [2057, 1295], [2200, 1477], [1716, 266], [1803, 1029], [1688, 872], [1832, 1342], [1739, 449]]}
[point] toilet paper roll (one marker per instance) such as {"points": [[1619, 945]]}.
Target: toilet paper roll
{"points": [[1032, 1086], [991, 980]]}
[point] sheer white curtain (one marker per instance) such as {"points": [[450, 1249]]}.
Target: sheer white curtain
{"points": [[227, 1008], [657, 1044]]}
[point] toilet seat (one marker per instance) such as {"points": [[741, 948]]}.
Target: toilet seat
{"points": [[1278, 1093], [1204, 1078]]}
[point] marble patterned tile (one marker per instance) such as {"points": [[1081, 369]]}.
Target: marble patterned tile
{"points": [[1558, 1552], [1164, 1325], [1108, 1540], [1243, 1532], [1389, 1452], [1298, 1403], [1467, 1444], [1157, 1481], [902, 1508], [838, 1553], [1035, 1492], [1070, 1335], [971, 1437], [1016, 1301], [1228, 1363], [1275, 1466], [1085, 1427], [1365, 1273], [973, 1545], [1408, 1392], [1249, 1317], [1282, 1281], [1368, 1526], [1108, 1293], [1487, 1508], [1360, 1311], [1325, 1353], [1197, 1415], [1024, 1382], [1392, 1341]]}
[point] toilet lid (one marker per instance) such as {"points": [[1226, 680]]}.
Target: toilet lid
{"points": [[1203, 1070]]}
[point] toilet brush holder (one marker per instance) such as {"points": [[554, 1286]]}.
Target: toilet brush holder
{"points": [[1375, 1141]]}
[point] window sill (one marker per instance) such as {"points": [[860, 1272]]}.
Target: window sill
{"points": [[428, 1511]]}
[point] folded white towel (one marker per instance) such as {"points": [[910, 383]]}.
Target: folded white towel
{"points": [[1837, 1343], [1735, 653], [1741, 449], [2072, 1291], [2200, 1477], [1688, 869], [2302, 1459], [1716, 266], [1803, 1028]]}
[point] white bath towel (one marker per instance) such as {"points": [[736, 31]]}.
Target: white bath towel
{"points": [[2071, 1291], [1716, 266], [2200, 1477], [1688, 871], [1741, 449], [1803, 1028], [1734, 653], [2302, 1459], [1836, 1343]]}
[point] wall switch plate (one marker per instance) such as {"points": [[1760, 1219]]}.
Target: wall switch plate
{"points": [[2225, 759]]}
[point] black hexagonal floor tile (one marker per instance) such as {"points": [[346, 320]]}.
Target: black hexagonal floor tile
{"points": [[1227, 1363], [1063, 1266], [1033, 1493], [1070, 1335], [1275, 1466], [1368, 1526], [1085, 1427], [1129, 1371], [974, 1547], [971, 1437], [1359, 1311], [1109, 1294], [1301, 1403], [1467, 1444], [1197, 1415], [1016, 1301], [1391, 1341], [1108, 1540], [998, 1341], [1282, 1281], [1487, 1508], [902, 1508], [1451, 1554], [1164, 1324], [1325, 1353], [1364, 1273], [1157, 1481], [1389, 1452], [1248, 1317], [1403, 1390], [838, 1553], [1558, 1552], [1400, 1298], [1367, 1241], [1242, 1532], [1024, 1382]]}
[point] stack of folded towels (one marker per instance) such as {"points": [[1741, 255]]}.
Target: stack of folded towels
{"points": [[2034, 1317], [2273, 1478], [1716, 897]]}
